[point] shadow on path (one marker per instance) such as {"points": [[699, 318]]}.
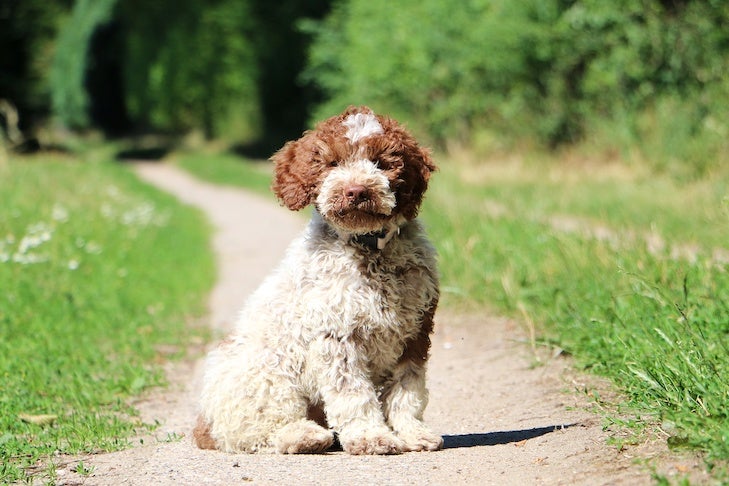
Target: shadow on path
{"points": [[498, 438]]}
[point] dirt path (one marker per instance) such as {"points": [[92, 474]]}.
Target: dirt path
{"points": [[504, 421]]}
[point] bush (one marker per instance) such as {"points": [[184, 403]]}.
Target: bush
{"points": [[185, 65], [190, 64], [652, 75], [553, 72], [445, 69]]}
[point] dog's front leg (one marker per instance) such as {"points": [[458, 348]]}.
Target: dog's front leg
{"points": [[404, 400], [350, 400], [405, 396]]}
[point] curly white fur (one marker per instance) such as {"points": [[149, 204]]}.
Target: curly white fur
{"points": [[361, 125], [328, 331]]}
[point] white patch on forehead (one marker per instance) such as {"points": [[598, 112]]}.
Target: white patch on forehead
{"points": [[361, 125]]}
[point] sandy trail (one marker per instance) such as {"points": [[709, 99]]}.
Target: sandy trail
{"points": [[504, 421]]}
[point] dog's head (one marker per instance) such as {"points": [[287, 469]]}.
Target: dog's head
{"points": [[362, 171]]}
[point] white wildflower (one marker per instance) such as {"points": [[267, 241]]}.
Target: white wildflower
{"points": [[73, 264], [93, 248], [131, 212], [37, 234], [113, 192], [38, 228], [29, 258], [107, 211], [59, 213], [141, 215]]}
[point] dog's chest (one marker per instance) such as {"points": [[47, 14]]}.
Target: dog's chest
{"points": [[374, 299], [403, 293]]}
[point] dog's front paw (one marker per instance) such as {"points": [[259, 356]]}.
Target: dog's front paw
{"points": [[303, 437], [373, 442], [422, 440]]}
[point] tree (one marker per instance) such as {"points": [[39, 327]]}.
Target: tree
{"points": [[27, 32], [70, 62], [191, 64]]}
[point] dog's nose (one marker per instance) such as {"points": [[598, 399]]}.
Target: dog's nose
{"points": [[355, 193]]}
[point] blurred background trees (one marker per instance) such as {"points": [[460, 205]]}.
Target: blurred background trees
{"points": [[646, 77]]}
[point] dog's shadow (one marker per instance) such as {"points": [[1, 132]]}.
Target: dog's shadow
{"points": [[488, 439], [498, 438]]}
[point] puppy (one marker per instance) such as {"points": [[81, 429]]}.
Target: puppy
{"points": [[336, 340]]}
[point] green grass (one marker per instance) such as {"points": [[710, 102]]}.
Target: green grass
{"points": [[227, 169], [626, 272], [100, 277]]}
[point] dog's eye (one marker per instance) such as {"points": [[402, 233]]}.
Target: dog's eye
{"points": [[334, 163]]}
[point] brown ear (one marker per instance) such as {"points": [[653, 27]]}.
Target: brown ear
{"points": [[416, 170], [295, 179], [415, 176]]}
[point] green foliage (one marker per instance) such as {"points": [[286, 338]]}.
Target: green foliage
{"points": [[281, 55], [27, 34], [191, 64], [185, 64], [68, 70], [491, 72], [651, 75], [98, 274], [442, 67], [642, 79]]}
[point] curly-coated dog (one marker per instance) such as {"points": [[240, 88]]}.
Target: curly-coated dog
{"points": [[337, 338]]}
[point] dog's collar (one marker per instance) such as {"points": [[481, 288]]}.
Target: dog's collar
{"points": [[376, 240]]}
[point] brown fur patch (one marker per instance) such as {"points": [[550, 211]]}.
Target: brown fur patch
{"points": [[397, 150], [316, 413], [201, 434], [417, 348], [300, 164]]}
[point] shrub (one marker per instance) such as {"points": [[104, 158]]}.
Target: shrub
{"points": [[190, 64], [553, 72]]}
